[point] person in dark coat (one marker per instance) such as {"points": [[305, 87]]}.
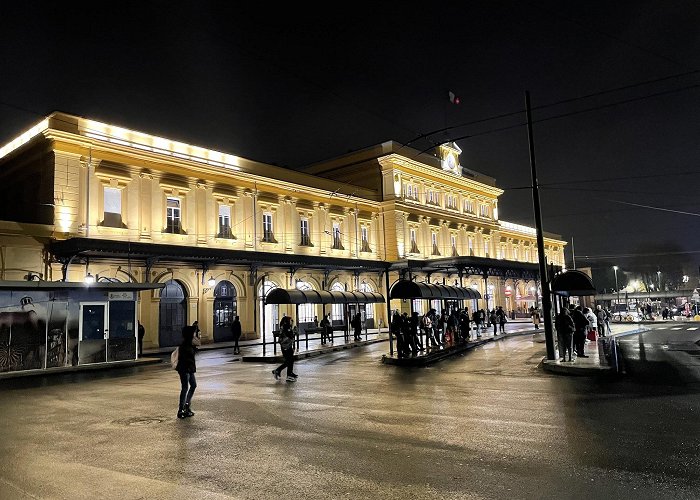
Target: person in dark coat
{"points": [[413, 325], [502, 319], [186, 368], [581, 325], [357, 326], [395, 327], [142, 334], [464, 328], [287, 344], [565, 330], [236, 331]]}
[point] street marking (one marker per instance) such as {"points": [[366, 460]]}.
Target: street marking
{"points": [[677, 328], [693, 328]]}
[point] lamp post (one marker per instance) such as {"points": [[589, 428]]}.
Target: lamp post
{"points": [[617, 287], [658, 273]]}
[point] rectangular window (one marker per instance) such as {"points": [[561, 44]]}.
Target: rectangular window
{"points": [[268, 234], [486, 248], [365, 240], [112, 207], [484, 210], [436, 250], [337, 242], [471, 246], [414, 243], [469, 206], [224, 221], [305, 237], [454, 246], [173, 216]]}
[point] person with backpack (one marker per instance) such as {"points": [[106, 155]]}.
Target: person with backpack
{"points": [[186, 368], [502, 319], [286, 339]]}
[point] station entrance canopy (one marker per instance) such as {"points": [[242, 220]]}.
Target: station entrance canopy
{"points": [[572, 283], [282, 296], [405, 289]]}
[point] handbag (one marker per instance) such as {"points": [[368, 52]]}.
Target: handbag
{"points": [[196, 340], [174, 358], [592, 335]]}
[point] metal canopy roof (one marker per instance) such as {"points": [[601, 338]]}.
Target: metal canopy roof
{"points": [[282, 296], [572, 283], [93, 247], [405, 289], [72, 285]]}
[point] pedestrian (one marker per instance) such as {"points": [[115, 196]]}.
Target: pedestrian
{"points": [[493, 318], [186, 368], [356, 324], [464, 327], [430, 329], [197, 338], [396, 331], [325, 324], [535, 314], [600, 318], [592, 331], [476, 317], [287, 344], [502, 319], [580, 324], [565, 330], [664, 313], [142, 334], [482, 320], [236, 331]]}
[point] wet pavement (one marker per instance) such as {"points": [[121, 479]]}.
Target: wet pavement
{"points": [[487, 424]]}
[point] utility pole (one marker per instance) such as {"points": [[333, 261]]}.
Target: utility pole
{"points": [[544, 282]]}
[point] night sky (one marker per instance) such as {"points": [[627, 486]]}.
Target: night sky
{"points": [[293, 87]]}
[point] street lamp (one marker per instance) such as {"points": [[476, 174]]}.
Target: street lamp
{"points": [[89, 279], [658, 273], [617, 287]]}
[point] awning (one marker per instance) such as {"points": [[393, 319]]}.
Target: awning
{"points": [[572, 283], [406, 289], [282, 296], [72, 285]]}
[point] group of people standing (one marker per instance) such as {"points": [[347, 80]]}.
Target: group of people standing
{"points": [[576, 324], [440, 329]]}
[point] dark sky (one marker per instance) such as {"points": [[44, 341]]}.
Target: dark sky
{"points": [[293, 87]]}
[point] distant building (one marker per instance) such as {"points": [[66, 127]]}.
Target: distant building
{"points": [[83, 197]]}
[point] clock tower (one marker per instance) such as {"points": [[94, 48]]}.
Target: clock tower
{"points": [[449, 157]]}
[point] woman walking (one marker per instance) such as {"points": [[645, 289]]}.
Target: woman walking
{"points": [[287, 344], [186, 368]]}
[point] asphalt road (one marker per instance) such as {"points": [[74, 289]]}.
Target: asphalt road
{"points": [[668, 352], [489, 424]]}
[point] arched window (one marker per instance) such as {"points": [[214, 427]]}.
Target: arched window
{"points": [[225, 310], [337, 309], [369, 308], [306, 311]]}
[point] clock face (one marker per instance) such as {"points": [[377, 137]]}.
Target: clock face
{"points": [[451, 162]]}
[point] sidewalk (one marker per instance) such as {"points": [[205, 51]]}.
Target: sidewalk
{"points": [[596, 364], [434, 354], [252, 350]]}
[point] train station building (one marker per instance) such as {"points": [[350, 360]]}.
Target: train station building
{"points": [[85, 200]]}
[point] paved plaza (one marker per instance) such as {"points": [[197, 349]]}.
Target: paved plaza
{"points": [[487, 424]]}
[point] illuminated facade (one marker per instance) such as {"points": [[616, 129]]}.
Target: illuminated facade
{"points": [[83, 197]]}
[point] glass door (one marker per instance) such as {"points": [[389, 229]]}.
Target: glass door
{"points": [[93, 333]]}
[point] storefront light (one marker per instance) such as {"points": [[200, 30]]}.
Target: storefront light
{"points": [[89, 279]]}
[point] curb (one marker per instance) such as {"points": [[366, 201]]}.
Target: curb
{"points": [[112, 365], [580, 371], [453, 350], [311, 353]]}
